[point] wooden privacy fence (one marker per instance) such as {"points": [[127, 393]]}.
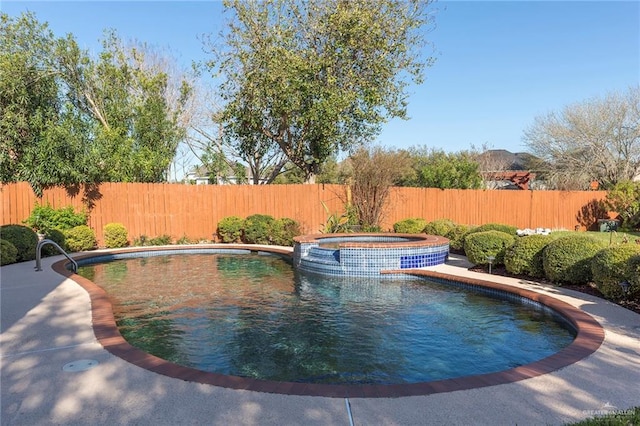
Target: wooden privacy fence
{"points": [[194, 211]]}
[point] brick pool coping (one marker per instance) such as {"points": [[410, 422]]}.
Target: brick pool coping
{"points": [[589, 337]]}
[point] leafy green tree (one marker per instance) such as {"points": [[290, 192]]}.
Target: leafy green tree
{"points": [[624, 198], [69, 118], [134, 130], [438, 169], [313, 78], [32, 143]]}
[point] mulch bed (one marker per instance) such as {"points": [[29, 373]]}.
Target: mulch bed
{"points": [[632, 305]]}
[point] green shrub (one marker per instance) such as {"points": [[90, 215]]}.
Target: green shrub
{"points": [[610, 267], [568, 259], [115, 235], [230, 229], [45, 218], [80, 238], [439, 227], [56, 236], [257, 229], [340, 223], [284, 230], [23, 238], [145, 241], [184, 240], [480, 245], [161, 240], [142, 240], [507, 229], [633, 269], [8, 253], [367, 228], [525, 255], [456, 237], [410, 226]]}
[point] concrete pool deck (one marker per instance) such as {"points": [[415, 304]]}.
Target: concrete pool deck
{"points": [[46, 324]]}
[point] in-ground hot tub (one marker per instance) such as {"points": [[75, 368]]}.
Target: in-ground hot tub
{"points": [[366, 255]]}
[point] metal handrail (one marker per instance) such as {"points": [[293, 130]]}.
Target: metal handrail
{"points": [[44, 242]]}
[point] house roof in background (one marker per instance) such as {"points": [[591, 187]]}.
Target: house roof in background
{"points": [[507, 160]]}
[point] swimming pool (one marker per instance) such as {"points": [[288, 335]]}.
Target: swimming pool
{"points": [[238, 314]]}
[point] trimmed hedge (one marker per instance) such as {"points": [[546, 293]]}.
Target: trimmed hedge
{"points": [[284, 230], [439, 227], [115, 235], [23, 238], [507, 229], [80, 238], [568, 259], [525, 255], [410, 226], [456, 237], [633, 268], [610, 266], [480, 245], [257, 229], [8, 253], [230, 229], [56, 236]]}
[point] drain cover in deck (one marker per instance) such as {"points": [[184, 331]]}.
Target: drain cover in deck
{"points": [[80, 365]]}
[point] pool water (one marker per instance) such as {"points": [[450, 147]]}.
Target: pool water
{"points": [[252, 315]]}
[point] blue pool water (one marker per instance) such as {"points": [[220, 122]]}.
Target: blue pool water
{"points": [[254, 316]]}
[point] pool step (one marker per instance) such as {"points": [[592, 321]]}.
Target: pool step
{"points": [[323, 255]]}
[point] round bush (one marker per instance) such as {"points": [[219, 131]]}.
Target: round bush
{"points": [[257, 229], [525, 255], [115, 235], [480, 245], [57, 237], [507, 229], [568, 259], [438, 227], [8, 253], [456, 237], [80, 238], [23, 238], [409, 226], [610, 267], [230, 229], [284, 230], [633, 271]]}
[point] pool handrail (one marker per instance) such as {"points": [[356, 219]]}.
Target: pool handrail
{"points": [[44, 242]]}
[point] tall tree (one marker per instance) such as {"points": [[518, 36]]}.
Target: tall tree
{"points": [[32, 146], [313, 78], [134, 116], [69, 118], [595, 140]]}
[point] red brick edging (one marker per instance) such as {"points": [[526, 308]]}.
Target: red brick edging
{"points": [[589, 337]]}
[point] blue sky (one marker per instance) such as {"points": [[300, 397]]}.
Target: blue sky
{"points": [[499, 64]]}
